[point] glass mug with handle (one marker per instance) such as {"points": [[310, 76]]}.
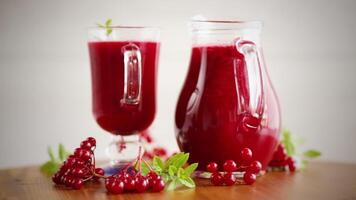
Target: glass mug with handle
{"points": [[124, 62]]}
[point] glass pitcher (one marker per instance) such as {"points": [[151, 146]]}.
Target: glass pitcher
{"points": [[227, 102]]}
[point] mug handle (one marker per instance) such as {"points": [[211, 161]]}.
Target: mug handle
{"points": [[132, 74], [251, 93]]}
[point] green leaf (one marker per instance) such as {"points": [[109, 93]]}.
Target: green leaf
{"points": [[187, 182], [100, 25], [173, 185], [50, 167], [205, 174], [190, 169], [107, 26], [288, 143], [62, 153], [108, 31], [165, 177], [172, 170], [173, 159], [158, 164], [144, 169], [181, 173], [312, 153], [108, 22], [51, 154], [181, 160]]}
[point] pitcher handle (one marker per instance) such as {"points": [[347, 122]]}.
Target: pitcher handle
{"points": [[132, 74], [252, 96]]}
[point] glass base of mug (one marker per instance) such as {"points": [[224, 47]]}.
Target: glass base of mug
{"points": [[207, 175], [122, 152]]}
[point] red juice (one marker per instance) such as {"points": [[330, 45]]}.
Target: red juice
{"points": [[210, 122], [107, 68]]}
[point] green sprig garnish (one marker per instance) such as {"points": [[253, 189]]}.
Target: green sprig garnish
{"points": [[173, 171], [291, 142], [107, 26], [50, 167]]}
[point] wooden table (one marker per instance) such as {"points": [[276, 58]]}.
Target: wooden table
{"points": [[320, 181]]}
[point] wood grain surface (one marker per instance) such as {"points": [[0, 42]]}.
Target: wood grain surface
{"points": [[320, 181]]}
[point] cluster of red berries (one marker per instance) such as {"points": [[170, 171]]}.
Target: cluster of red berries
{"points": [[132, 181], [79, 167], [281, 160], [227, 177]]}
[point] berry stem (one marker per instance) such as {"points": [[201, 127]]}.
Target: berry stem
{"points": [[148, 165], [100, 176], [93, 158], [133, 163], [90, 177], [139, 159]]}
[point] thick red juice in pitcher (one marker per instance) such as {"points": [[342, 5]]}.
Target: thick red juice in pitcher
{"points": [[210, 122], [107, 64]]}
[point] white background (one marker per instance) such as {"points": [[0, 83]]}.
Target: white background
{"points": [[45, 85]]}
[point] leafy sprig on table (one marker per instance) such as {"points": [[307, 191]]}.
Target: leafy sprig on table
{"points": [[173, 171], [50, 167], [107, 26], [291, 142]]}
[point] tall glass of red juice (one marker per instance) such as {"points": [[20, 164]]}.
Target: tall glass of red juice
{"points": [[123, 72], [227, 102]]}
